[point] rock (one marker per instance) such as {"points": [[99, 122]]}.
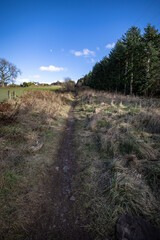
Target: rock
{"points": [[36, 147], [66, 190], [97, 110], [57, 168], [135, 228], [72, 198], [65, 168]]}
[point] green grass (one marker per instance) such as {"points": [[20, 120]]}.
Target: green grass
{"points": [[20, 91]]}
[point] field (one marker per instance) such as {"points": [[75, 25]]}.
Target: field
{"points": [[20, 90], [114, 144]]}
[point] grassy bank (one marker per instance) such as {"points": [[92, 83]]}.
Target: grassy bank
{"points": [[30, 129], [118, 168], [21, 90]]}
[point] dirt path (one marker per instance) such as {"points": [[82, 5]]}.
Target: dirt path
{"points": [[67, 225], [63, 219]]}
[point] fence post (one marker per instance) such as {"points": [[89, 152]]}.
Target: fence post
{"points": [[14, 95], [9, 95]]}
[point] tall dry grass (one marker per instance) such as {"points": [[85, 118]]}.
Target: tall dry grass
{"points": [[118, 159], [30, 129]]}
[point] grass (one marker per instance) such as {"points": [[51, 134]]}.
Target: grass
{"points": [[30, 130], [118, 159], [20, 90], [117, 145]]}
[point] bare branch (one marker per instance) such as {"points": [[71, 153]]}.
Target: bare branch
{"points": [[8, 72]]}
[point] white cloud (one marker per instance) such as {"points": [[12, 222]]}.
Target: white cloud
{"points": [[52, 68], [110, 45], [85, 52], [77, 53], [92, 60], [98, 48]]}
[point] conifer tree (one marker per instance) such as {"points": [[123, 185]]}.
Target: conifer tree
{"points": [[133, 65]]}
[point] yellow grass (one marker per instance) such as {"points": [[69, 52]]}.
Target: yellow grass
{"points": [[30, 129], [118, 159]]}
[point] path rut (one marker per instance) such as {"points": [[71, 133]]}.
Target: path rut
{"points": [[63, 220]]}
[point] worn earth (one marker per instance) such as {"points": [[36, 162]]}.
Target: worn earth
{"points": [[63, 219]]}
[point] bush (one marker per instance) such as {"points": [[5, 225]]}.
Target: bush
{"points": [[25, 84], [69, 85]]}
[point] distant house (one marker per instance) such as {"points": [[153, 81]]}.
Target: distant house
{"points": [[36, 83], [5, 84]]}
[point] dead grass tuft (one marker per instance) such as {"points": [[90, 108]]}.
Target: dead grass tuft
{"points": [[8, 112], [46, 101], [149, 120]]}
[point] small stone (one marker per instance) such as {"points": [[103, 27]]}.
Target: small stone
{"points": [[57, 168], [65, 168], [72, 198], [77, 221]]}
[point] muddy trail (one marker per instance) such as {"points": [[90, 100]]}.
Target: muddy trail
{"points": [[63, 220]]}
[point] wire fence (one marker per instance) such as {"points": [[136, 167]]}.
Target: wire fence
{"points": [[9, 94], [13, 92], [3, 97]]}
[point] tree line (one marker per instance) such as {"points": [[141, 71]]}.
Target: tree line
{"points": [[132, 67]]}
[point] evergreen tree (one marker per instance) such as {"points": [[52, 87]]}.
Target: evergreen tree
{"points": [[132, 41], [133, 65], [151, 40]]}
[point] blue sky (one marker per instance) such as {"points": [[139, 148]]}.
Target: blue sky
{"points": [[50, 40]]}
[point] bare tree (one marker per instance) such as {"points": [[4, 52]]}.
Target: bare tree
{"points": [[8, 72], [69, 84]]}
